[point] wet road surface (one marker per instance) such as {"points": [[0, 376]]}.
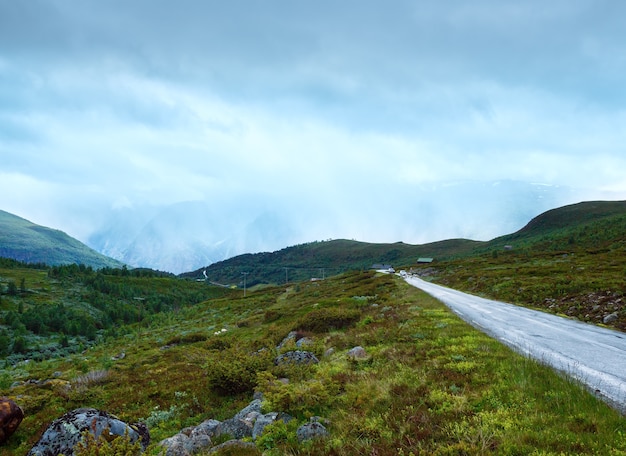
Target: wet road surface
{"points": [[593, 355]]}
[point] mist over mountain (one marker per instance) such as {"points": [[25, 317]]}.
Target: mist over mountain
{"points": [[186, 236]]}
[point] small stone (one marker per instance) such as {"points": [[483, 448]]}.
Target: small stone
{"points": [[357, 352], [310, 431]]}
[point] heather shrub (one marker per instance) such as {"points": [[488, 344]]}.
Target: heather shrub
{"points": [[117, 446], [328, 319], [235, 371]]}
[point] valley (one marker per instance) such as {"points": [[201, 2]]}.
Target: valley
{"points": [[173, 351]]}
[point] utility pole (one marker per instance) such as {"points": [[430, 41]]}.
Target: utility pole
{"points": [[245, 274]]}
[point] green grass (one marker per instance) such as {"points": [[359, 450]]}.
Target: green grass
{"points": [[430, 384]]}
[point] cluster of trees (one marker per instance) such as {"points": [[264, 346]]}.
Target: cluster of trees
{"points": [[92, 301]]}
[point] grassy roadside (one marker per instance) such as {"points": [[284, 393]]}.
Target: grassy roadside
{"points": [[430, 384], [582, 283]]}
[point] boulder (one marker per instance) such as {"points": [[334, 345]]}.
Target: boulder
{"points": [[65, 432], [11, 415], [296, 357]]}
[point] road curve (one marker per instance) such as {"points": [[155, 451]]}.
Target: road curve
{"points": [[593, 355]]}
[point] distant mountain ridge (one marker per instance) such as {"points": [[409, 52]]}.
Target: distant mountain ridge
{"points": [[185, 236], [28, 242], [586, 223]]}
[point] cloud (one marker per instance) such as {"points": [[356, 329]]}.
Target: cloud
{"points": [[315, 111]]}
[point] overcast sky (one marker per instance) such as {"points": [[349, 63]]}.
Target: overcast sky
{"points": [[317, 107]]}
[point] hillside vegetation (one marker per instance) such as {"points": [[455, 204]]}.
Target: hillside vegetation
{"points": [[429, 383], [570, 261], [172, 351], [322, 259], [30, 243]]}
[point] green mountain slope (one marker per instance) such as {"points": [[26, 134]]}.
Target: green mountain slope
{"points": [[30, 243], [569, 261], [590, 223], [595, 224], [321, 259]]}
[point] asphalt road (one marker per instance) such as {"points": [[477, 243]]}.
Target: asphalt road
{"points": [[593, 355]]}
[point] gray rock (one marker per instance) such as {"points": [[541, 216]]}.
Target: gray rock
{"points": [[261, 422], [191, 440], [610, 318], [65, 432], [236, 428], [252, 407], [207, 427], [296, 357], [176, 445], [357, 352], [304, 342], [313, 430], [197, 443]]}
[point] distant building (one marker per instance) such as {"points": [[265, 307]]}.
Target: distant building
{"points": [[425, 260], [381, 266]]}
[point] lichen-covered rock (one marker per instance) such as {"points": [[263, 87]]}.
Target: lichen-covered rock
{"points": [[191, 441], [296, 357], [11, 415], [236, 428], [64, 433]]}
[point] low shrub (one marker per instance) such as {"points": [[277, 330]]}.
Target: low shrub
{"points": [[235, 371], [328, 319], [117, 446]]}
